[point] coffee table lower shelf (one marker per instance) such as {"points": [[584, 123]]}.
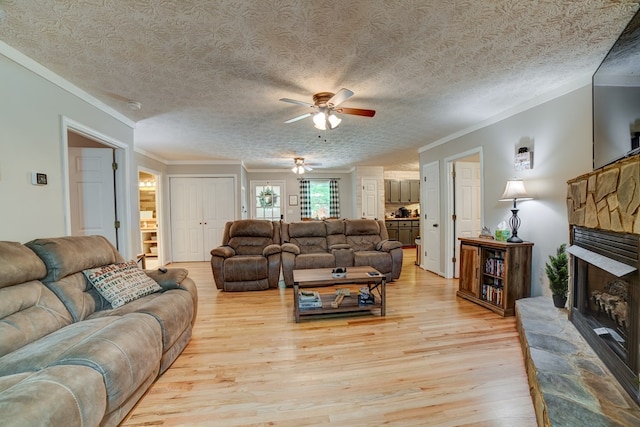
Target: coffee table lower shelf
{"points": [[355, 276], [349, 305]]}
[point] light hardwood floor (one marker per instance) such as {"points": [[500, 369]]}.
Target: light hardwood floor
{"points": [[434, 360]]}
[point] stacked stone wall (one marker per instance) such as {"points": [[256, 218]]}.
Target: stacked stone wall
{"points": [[608, 198]]}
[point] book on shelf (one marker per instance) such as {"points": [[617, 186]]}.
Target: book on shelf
{"points": [[494, 266], [493, 292]]}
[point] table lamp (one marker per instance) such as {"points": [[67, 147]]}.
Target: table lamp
{"points": [[514, 191]]}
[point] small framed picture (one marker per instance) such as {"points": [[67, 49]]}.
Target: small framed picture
{"points": [[293, 200]]}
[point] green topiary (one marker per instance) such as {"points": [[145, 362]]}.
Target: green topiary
{"points": [[557, 270]]}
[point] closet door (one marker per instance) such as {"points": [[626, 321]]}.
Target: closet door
{"points": [[218, 204], [186, 220], [200, 208]]}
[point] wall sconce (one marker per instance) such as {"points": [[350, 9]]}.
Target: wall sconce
{"points": [[524, 159], [514, 191]]}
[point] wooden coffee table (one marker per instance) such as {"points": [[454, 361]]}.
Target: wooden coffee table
{"points": [[317, 277]]}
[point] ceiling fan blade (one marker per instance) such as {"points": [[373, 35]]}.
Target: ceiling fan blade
{"points": [[295, 119], [308, 168], [293, 101], [337, 99], [356, 111]]}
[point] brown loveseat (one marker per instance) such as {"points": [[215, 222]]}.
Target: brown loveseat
{"points": [[339, 243], [67, 358], [249, 257]]}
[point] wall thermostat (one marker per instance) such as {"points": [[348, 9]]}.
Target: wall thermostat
{"points": [[38, 178]]}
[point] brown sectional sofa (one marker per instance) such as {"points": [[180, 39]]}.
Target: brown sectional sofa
{"points": [[66, 356], [339, 243], [254, 251]]}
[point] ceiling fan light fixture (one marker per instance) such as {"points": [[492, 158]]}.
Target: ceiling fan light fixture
{"points": [[320, 121], [334, 121], [298, 170]]}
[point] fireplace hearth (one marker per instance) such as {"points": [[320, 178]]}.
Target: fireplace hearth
{"points": [[604, 299]]}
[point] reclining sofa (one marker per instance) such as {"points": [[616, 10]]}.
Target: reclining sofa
{"points": [[67, 357], [339, 243], [253, 252]]}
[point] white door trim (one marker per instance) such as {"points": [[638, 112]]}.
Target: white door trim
{"points": [[123, 180], [449, 247]]}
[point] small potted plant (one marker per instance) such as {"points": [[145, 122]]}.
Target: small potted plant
{"points": [[557, 270]]}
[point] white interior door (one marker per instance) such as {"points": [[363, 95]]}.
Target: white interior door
{"points": [[92, 192], [218, 202], [467, 193], [431, 222], [187, 239], [200, 208], [369, 198]]}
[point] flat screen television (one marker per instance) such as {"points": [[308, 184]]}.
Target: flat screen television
{"points": [[616, 99]]}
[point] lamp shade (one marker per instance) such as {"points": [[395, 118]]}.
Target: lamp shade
{"points": [[515, 191]]}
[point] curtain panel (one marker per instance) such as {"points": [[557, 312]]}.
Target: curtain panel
{"points": [[334, 199], [305, 199]]}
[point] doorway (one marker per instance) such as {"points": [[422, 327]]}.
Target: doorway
{"points": [[76, 135], [150, 230], [464, 205]]}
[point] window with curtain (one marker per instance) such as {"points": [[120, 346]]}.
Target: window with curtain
{"points": [[319, 199]]}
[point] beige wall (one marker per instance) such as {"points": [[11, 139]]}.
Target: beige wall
{"points": [[559, 132], [31, 111]]}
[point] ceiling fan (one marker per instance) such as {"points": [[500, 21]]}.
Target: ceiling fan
{"points": [[325, 104], [300, 166]]}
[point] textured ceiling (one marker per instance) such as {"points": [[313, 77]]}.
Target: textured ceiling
{"points": [[209, 73]]}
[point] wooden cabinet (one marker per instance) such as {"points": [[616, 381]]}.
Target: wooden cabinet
{"points": [[405, 231], [414, 185], [392, 190], [392, 229], [495, 274], [410, 191], [402, 191]]}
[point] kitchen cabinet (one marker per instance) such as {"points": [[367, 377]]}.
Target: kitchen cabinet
{"points": [[414, 192], [392, 229], [494, 274], [392, 190], [402, 191], [403, 230]]}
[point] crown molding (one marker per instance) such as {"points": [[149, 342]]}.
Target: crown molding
{"points": [[204, 162]]}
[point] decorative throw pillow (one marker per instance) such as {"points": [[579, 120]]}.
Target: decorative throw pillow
{"points": [[121, 283]]}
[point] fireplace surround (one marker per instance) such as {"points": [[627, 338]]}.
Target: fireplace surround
{"points": [[603, 208], [604, 299]]}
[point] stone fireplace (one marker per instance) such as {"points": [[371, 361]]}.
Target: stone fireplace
{"points": [[603, 210]]}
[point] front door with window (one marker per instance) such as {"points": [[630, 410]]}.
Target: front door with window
{"points": [[267, 200]]}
